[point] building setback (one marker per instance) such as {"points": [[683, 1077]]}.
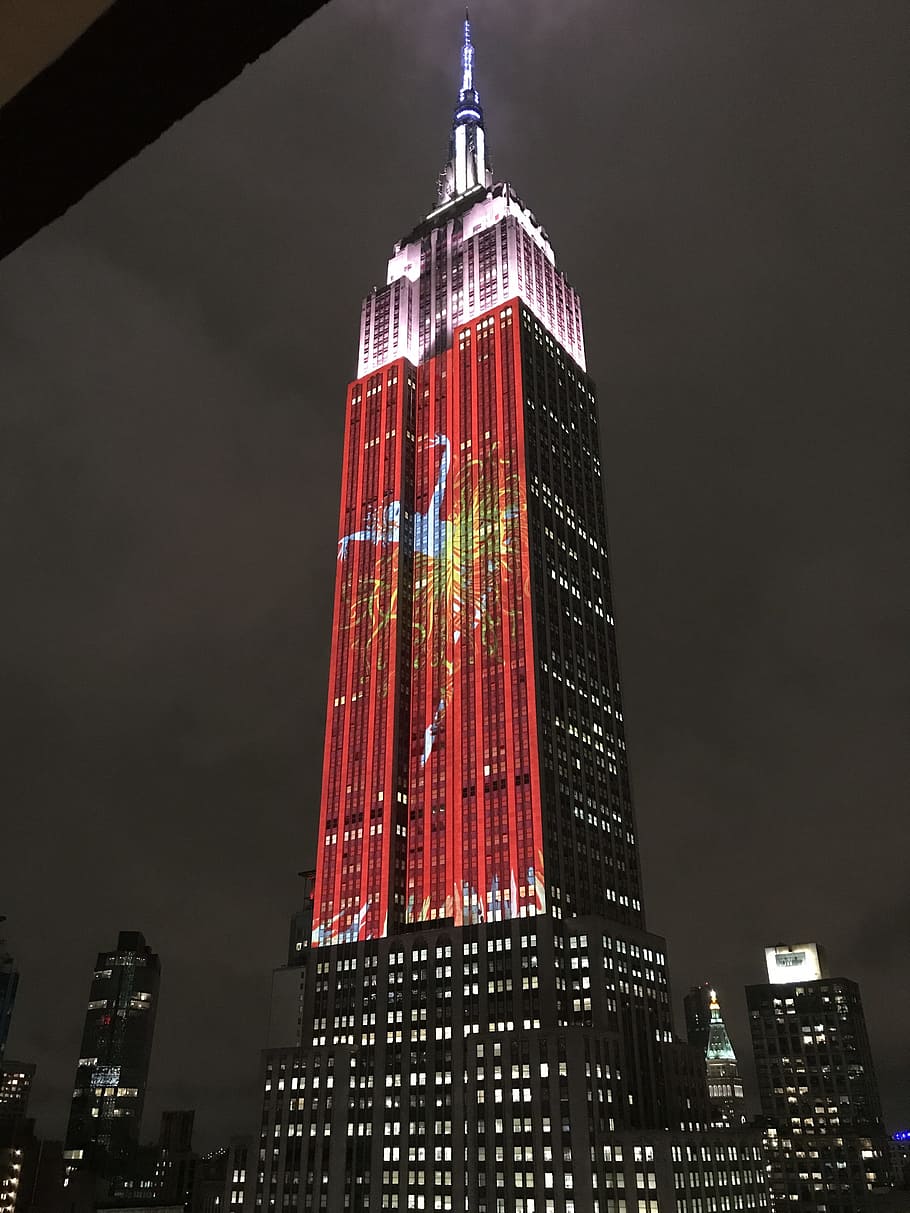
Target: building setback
{"points": [[481, 1020], [825, 1139], [112, 1071]]}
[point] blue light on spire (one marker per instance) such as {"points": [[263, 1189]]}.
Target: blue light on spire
{"points": [[467, 58]]}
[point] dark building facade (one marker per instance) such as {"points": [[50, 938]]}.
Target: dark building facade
{"points": [[697, 1010], [826, 1142], [162, 1173], [482, 1020], [175, 1174], [30, 1170], [112, 1072], [9, 983]]}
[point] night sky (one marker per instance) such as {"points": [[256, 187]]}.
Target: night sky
{"points": [[721, 183]]}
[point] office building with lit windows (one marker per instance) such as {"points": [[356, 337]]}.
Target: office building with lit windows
{"points": [[481, 1020], [825, 1139], [16, 1079], [112, 1071]]}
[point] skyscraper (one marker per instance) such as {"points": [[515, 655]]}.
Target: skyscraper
{"points": [[482, 1021], [816, 1080], [112, 1072]]}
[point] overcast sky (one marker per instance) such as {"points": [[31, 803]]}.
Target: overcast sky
{"points": [[721, 183]]}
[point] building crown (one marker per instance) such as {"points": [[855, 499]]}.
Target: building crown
{"points": [[468, 165], [719, 1046]]}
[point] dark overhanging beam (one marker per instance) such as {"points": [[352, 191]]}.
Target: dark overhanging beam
{"points": [[140, 66]]}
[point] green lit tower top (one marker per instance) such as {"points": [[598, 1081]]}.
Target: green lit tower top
{"points": [[725, 1087]]}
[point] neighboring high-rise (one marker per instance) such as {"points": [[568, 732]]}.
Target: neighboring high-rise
{"points": [[482, 1021], [9, 983], [112, 1072], [816, 1079]]}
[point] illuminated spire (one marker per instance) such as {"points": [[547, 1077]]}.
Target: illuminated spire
{"points": [[719, 1046], [467, 58], [468, 166]]}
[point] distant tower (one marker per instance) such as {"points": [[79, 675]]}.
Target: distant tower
{"points": [[9, 981], [112, 1072], [481, 1021], [825, 1141], [705, 1030], [725, 1088]]}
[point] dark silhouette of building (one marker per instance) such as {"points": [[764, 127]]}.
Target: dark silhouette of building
{"points": [[136, 67], [9, 983], [163, 1174], [816, 1079], [211, 1182], [482, 1021], [31, 1171], [177, 1163], [109, 1090], [697, 1009], [240, 1175], [301, 930]]}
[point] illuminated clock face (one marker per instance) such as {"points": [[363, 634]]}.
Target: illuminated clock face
{"points": [[789, 959]]}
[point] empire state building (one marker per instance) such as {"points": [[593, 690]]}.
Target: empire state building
{"points": [[478, 1019]]}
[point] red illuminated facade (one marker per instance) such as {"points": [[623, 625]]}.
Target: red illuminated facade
{"points": [[436, 788], [361, 852], [431, 801]]}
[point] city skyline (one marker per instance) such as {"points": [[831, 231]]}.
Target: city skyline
{"points": [[653, 814]]}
